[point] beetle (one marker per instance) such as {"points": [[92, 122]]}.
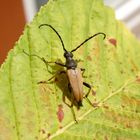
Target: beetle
{"points": [[74, 74]]}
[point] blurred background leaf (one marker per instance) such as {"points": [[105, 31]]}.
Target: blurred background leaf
{"points": [[31, 111]]}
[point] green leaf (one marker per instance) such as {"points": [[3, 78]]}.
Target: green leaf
{"points": [[28, 111]]}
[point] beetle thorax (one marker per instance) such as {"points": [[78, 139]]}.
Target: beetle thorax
{"points": [[70, 62]]}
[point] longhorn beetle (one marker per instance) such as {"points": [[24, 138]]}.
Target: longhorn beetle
{"points": [[74, 74]]}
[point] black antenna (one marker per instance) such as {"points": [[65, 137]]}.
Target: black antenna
{"points": [[56, 33], [89, 39]]}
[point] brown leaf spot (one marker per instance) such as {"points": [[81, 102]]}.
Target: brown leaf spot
{"points": [[45, 90], [42, 131], [106, 106], [130, 101], [93, 92], [14, 127], [138, 79], [95, 104], [127, 121], [60, 127], [124, 120], [113, 41], [49, 134], [60, 113], [89, 58], [123, 106], [134, 66], [105, 138]]}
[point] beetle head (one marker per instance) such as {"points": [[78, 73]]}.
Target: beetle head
{"points": [[68, 54]]}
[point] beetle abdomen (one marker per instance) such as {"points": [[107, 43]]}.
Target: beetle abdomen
{"points": [[76, 82]]}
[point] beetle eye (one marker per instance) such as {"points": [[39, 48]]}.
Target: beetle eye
{"points": [[68, 54], [65, 54]]}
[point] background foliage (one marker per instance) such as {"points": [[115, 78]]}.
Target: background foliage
{"points": [[28, 111]]}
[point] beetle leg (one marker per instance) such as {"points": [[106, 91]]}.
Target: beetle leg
{"points": [[64, 100], [46, 82], [83, 71], [60, 64], [86, 96], [57, 63], [72, 110], [71, 107], [58, 73], [42, 82], [73, 113], [48, 62], [64, 97], [88, 86]]}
